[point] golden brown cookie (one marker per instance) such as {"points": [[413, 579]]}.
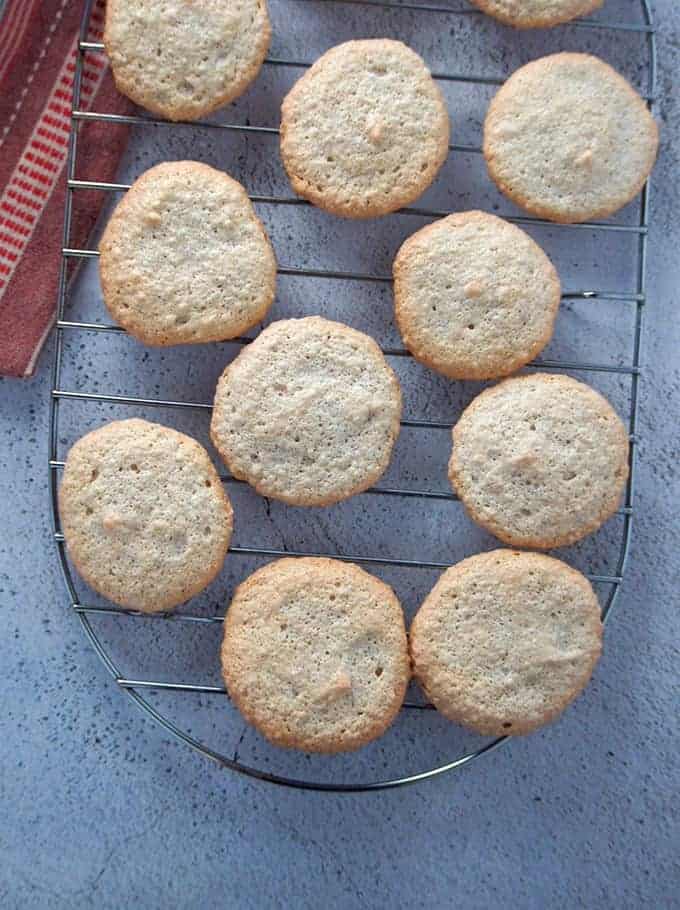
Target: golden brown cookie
{"points": [[506, 640], [315, 654], [474, 296], [537, 13], [568, 139], [144, 515], [365, 130], [183, 59], [540, 460], [184, 258], [308, 413]]}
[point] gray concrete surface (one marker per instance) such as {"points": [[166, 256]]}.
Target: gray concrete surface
{"points": [[99, 807]]}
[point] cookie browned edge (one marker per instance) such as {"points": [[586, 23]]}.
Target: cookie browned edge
{"points": [[307, 190], [275, 734], [211, 571], [540, 543], [547, 212], [116, 224], [580, 8], [177, 112], [421, 354], [429, 605], [309, 501]]}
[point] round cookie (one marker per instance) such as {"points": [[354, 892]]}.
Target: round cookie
{"points": [[475, 297], [539, 460], [144, 515], [568, 139], [315, 654], [537, 13], [506, 640], [308, 413], [182, 59], [365, 130], [185, 259]]}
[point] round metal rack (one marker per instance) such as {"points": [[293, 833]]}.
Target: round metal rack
{"points": [[90, 48]]}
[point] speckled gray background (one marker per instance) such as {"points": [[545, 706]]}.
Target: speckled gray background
{"points": [[99, 808]]}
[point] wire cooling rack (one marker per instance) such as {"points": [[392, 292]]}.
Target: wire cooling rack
{"points": [[140, 689]]}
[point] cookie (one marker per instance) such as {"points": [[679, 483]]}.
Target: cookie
{"points": [[365, 130], [315, 654], [144, 515], [537, 13], [308, 413], [539, 460], [182, 59], [568, 139], [506, 640], [474, 296], [185, 259]]}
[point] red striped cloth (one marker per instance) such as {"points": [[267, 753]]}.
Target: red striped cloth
{"points": [[38, 47]]}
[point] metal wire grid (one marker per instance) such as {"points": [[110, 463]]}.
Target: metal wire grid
{"points": [[135, 687]]}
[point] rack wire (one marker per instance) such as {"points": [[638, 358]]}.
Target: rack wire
{"points": [[87, 614]]}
